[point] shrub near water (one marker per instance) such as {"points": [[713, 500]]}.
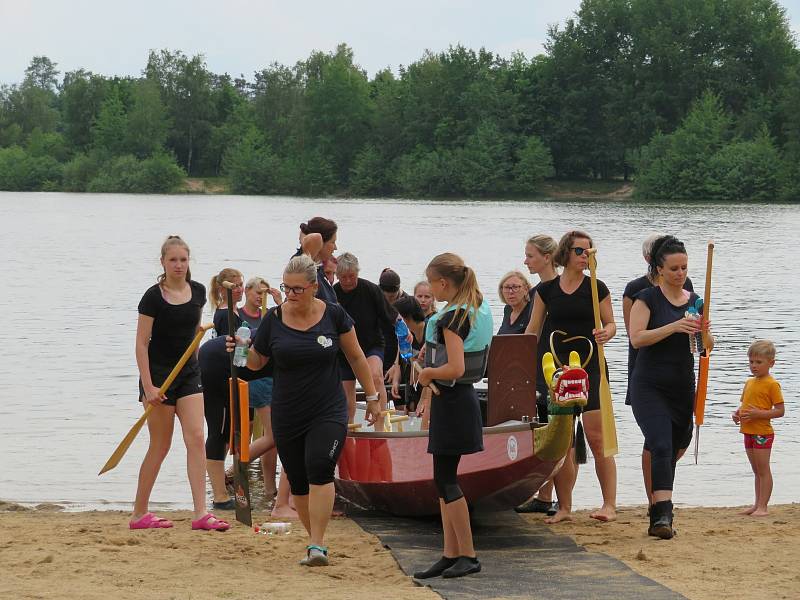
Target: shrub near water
{"points": [[19, 171], [126, 174]]}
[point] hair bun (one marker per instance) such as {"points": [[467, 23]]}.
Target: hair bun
{"points": [[304, 228]]}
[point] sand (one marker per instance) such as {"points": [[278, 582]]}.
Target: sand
{"points": [[45, 553], [716, 554], [93, 555]]}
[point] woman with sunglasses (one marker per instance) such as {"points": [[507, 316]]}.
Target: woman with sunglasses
{"points": [[567, 301], [303, 338]]}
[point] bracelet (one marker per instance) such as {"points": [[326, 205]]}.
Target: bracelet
{"points": [[372, 398]]}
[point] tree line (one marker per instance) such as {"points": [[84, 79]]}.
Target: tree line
{"points": [[690, 99]]}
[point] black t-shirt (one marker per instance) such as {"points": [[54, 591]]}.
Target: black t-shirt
{"points": [[174, 325], [215, 366], [631, 290], [571, 313], [325, 289], [674, 349], [307, 385], [221, 321], [370, 311]]}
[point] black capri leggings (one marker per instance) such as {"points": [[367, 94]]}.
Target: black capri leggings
{"points": [[215, 401], [310, 458], [445, 476], [663, 412]]}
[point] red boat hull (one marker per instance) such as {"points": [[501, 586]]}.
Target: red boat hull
{"points": [[393, 472]]}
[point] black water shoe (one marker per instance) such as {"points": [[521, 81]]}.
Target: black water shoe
{"points": [[229, 504], [437, 568], [465, 565], [535, 506], [661, 520]]}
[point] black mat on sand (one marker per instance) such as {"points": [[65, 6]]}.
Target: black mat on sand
{"points": [[520, 560]]}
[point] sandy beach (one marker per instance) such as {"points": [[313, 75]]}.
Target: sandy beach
{"points": [[47, 553]]}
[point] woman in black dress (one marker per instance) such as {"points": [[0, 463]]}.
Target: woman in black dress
{"points": [[464, 326], [169, 318], [567, 300], [303, 337], [662, 385]]}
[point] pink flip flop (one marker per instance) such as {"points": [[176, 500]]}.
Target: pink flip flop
{"points": [[210, 523], [150, 521]]}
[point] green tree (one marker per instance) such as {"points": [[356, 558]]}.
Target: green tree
{"points": [[251, 166], [81, 97], [147, 123], [534, 163], [110, 130]]}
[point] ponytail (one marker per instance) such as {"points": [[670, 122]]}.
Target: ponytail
{"points": [[215, 294], [468, 297]]}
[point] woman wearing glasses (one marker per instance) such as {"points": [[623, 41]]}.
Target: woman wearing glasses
{"points": [[567, 301], [514, 291], [303, 338]]}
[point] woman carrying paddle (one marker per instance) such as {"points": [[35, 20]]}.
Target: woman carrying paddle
{"points": [[169, 317], [303, 337], [219, 300], [662, 387], [567, 300], [457, 343]]}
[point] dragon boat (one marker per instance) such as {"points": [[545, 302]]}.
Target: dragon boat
{"points": [[391, 471]]}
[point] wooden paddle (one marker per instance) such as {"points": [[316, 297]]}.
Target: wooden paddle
{"points": [[126, 442], [609, 427], [431, 385], [702, 377], [241, 479]]}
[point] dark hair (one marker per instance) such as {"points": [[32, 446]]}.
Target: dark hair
{"points": [[561, 257], [409, 308], [663, 247], [325, 227]]}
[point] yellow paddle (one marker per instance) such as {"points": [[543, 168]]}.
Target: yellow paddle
{"points": [[609, 428], [126, 442]]}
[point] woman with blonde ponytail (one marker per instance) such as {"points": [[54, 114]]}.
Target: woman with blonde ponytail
{"points": [[218, 298], [457, 345]]}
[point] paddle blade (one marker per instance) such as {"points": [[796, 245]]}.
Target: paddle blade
{"points": [[241, 483], [126, 442], [609, 427], [696, 443], [702, 390]]}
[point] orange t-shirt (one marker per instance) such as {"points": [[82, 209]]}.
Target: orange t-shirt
{"points": [[762, 393]]}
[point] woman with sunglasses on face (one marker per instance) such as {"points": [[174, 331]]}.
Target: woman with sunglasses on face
{"points": [[303, 338], [567, 301]]}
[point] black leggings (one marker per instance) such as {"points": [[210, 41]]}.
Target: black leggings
{"points": [[311, 458], [445, 476], [215, 400]]}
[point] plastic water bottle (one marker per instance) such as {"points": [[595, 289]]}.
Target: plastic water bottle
{"points": [[692, 314], [273, 528], [401, 331], [240, 352]]}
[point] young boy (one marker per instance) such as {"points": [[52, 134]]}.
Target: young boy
{"points": [[761, 401]]}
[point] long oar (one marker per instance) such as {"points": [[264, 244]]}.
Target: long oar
{"points": [[609, 427], [241, 479], [126, 442], [702, 377]]}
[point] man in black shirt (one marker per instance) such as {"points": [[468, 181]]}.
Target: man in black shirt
{"points": [[365, 303]]}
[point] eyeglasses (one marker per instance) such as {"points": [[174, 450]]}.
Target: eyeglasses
{"points": [[512, 288], [578, 250], [295, 289]]}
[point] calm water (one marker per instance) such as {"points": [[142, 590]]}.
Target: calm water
{"points": [[75, 266]]}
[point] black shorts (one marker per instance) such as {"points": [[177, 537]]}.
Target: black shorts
{"points": [[186, 383], [346, 371]]}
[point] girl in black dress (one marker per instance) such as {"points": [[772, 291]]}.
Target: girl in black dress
{"points": [[169, 318], [567, 300], [302, 338], [455, 419], [662, 384]]}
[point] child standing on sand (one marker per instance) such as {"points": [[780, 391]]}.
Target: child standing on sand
{"points": [[761, 401]]}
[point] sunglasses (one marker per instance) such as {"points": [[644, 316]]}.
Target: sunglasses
{"points": [[578, 250], [296, 289]]}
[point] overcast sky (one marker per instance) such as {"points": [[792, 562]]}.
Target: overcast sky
{"points": [[239, 36]]}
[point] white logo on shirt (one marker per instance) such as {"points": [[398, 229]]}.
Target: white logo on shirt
{"points": [[325, 342]]}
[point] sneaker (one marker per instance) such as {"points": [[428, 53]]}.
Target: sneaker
{"points": [[229, 504], [534, 506], [465, 565], [436, 569]]}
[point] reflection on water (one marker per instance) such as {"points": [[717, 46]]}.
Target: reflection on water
{"points": [[76, 265]]}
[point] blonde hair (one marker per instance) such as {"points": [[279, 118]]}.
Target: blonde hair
{"points": [[254, 281], [174, 240], [543, 243], [762, 348], [419, 283], [468, 295], [215, 293], [518, 274], [302, 265]]}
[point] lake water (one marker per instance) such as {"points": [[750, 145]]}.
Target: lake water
{"points": [[76, 265]]}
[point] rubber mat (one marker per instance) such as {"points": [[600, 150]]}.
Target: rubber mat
{"points": [[519, 560]]}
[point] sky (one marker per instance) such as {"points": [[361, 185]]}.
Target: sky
{"points": [[111, 37]]}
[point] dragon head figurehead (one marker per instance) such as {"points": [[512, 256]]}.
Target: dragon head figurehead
{"points": [[569, 385]]}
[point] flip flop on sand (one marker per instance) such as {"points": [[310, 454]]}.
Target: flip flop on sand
{"points": [[150, 521], [316, 556], [209, 522]]}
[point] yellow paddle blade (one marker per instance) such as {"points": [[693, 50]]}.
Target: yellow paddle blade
{"points": [[126, 442], [548, 367], [574, 360]]}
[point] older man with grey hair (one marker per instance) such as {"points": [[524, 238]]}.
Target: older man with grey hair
{"points": [[365, 303]]}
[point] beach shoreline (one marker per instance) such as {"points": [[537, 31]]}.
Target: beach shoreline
{"points": [[51, 553]]}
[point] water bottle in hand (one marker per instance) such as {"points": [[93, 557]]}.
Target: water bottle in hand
{"points": [[242, 345], [401, 330]]}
